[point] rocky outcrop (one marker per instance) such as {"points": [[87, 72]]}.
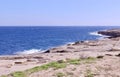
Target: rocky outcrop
{"points": [[91, 45], [111, 33]]}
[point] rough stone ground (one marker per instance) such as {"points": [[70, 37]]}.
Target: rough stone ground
{"points": [[109, 66]]}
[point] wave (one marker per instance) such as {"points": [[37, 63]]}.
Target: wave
{"points": [[69, 42], [31, 51], [96, 34]]}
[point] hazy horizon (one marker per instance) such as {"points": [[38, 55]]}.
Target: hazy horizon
{"points": [[55, 25], [60, 13]]}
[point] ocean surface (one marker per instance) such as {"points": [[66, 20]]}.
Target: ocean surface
{"points": [[26, 40]]}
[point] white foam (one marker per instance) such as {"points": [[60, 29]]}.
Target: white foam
{"points": [[95, 34], [100, 35], [69, 43], [31, 51]]}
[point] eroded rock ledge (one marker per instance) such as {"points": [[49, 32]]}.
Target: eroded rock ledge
{"points": [[106, 44], [111, 33]]}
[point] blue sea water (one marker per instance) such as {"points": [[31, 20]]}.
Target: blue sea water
{"points": [[25, 40]]}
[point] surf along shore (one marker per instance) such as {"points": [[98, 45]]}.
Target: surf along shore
{"points": [[95, 58]]}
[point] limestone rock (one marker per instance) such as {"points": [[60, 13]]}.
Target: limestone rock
{"points": [[112, 32]]}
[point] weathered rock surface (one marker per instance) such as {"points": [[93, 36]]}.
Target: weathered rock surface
{"points": [[112, 32], [96, 45]]}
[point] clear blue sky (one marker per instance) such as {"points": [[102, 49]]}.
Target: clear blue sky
{"points": [[59, 12]]}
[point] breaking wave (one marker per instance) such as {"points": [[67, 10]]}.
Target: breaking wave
{"points": [[31, 51], [96, 34], [100, 36]]}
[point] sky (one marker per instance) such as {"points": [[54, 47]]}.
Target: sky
{"points": [[59, 12]]}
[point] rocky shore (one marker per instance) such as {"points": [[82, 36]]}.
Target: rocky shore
{"points": [[106, 52], [113, 33]]}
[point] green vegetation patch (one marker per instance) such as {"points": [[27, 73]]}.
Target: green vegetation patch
{"points": [[3, 76], [18, 74], [74, 61], [54, 65], [78, 61], [57, 65]]}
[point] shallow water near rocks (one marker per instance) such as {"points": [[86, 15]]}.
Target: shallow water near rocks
{"points": [[25, 40]]}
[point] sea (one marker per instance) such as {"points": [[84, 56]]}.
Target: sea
{"points": [[32, 39]]}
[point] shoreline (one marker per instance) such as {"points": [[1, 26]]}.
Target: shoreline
{"points": [[107, 47], [45, 51], [35, 51]]}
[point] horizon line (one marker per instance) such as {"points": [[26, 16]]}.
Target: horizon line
{"points": [[50, 25]]}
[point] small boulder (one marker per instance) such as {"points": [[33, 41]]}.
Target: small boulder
{"points": [[99, 57], [48, 51], [18, 57], [38, 57], [108, 54], [118, 55], [60, 61], [20, 61], [62, 51], [32, 60], [78, 42]]}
